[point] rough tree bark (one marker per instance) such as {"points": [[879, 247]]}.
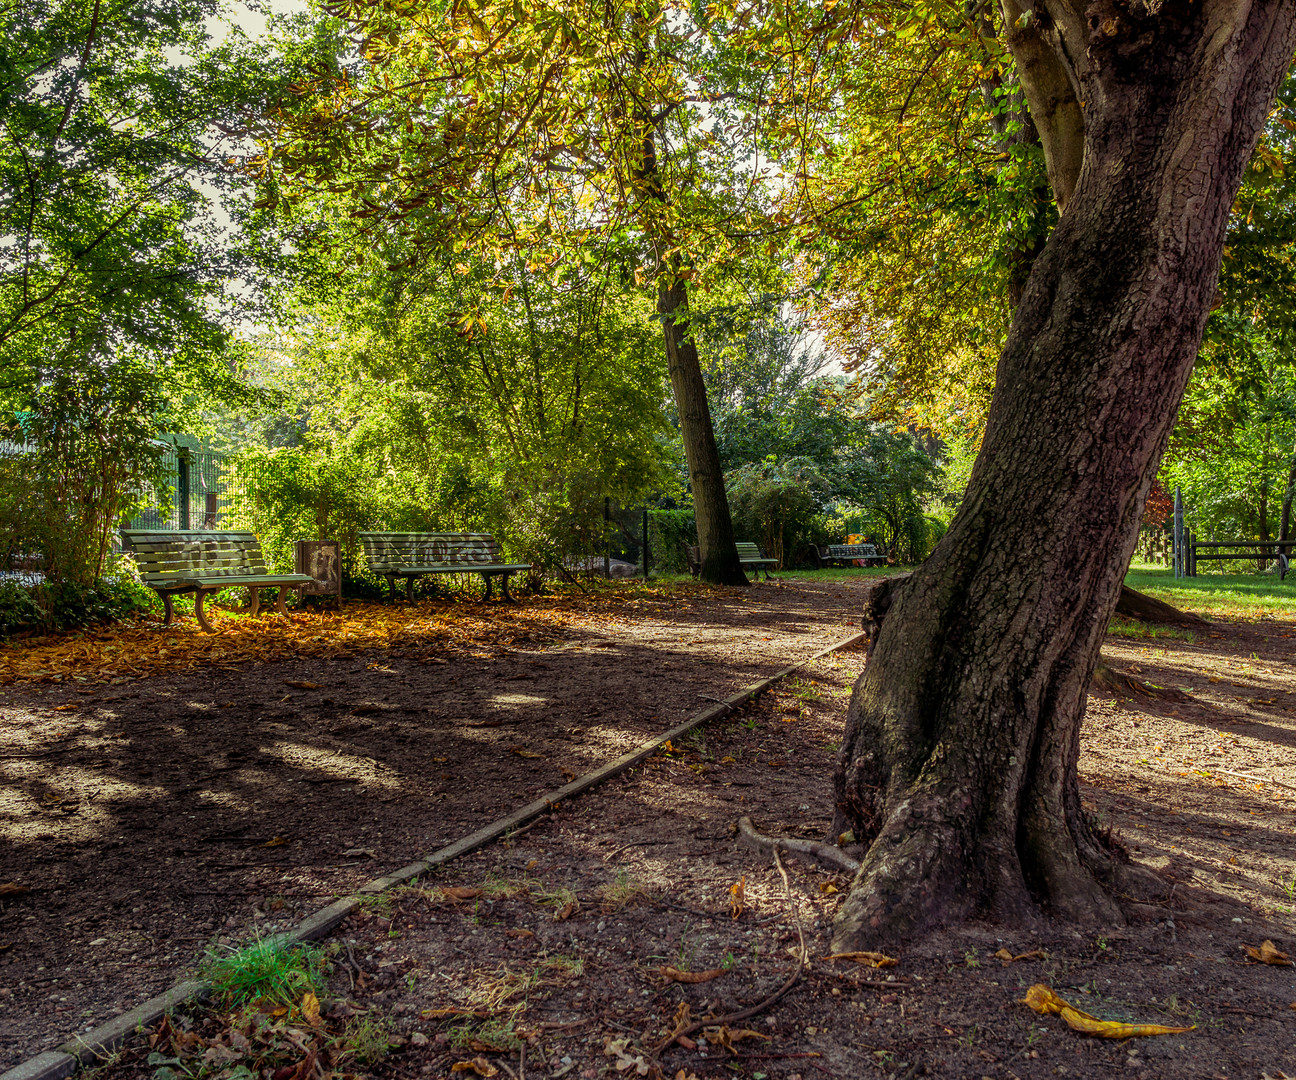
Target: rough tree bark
{"points": [[716, 548], [959, 761]]}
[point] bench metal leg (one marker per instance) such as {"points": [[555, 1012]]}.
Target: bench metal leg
{"points": [[254, 600], [199, 595], [409, 589], [170, 612], [279, 601], [504, 589], [487, 578]]}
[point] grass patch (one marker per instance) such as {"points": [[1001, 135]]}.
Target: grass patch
{"points": [[837, 573], [1141, 631], [1224, 595], [264, 972]]}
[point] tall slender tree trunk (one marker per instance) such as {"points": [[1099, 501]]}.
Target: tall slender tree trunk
{"points": [[959, 762], [1284, 520], [716, 547]]}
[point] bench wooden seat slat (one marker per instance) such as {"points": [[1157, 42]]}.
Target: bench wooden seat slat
{"points": [[409, 555], [189, 561]]}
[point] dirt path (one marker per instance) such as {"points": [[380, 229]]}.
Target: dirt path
{"points": [[150, 817], [560, 954]]}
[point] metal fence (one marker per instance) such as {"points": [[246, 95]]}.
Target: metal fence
{"points": [[199, 490]]}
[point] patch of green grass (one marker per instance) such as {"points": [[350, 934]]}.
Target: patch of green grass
{"points": [[266, 972], [1141, 631], [365, 1041], [1247, 595], [837, 573]]}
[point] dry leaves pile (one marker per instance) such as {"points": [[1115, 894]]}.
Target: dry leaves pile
{"points": [[147, 648], [301, 1043]]}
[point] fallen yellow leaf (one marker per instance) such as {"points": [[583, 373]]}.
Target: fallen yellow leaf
{"points": [[566, 911], [1268, 954], [277, 841], [299, 684], [1040, 998], [478, 1065], [871, 959], [12, 888], [675, 975], [310, 1008], [726, 1036], [1008, 958], [738, 890], [460, 892]]}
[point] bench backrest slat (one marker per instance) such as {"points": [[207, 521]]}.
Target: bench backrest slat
{"points": [[164, 557], [748, 550], [389, 549], [852, 551]]}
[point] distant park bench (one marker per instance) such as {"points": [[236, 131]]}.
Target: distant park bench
{"points": [[847, 554], [172, 563], [1256, 550], [749, 555], [410, 555]]}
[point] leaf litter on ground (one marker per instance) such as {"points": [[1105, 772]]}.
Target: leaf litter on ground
{"points": [[147, 648]]}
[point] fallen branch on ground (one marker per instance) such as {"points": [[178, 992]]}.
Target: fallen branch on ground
{"points": [[814, 848]]}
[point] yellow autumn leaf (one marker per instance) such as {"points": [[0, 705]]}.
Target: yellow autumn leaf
{"points": [[1040, 998], [738, 890], [1008, 958], [478, 1065], [1268, 953], [277, 841], [871, 959], [310, 1008], [675, 975], [726, 1036]]}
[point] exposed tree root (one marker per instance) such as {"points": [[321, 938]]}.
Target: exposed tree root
{"points": [[1136, 605], [827, 853], [1106, 678]]}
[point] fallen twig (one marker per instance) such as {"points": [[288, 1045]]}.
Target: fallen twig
{"points": [[1255, 779], [814, 848]]}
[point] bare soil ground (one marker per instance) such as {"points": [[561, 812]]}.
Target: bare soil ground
{"points": [[205, 822]]}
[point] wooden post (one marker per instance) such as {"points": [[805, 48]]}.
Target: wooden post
{"points": [[322, 560], [645, 542], [1177, 536], [607, 537]]}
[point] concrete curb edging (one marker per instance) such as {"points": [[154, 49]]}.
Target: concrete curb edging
{"points": [[62, 1062]]}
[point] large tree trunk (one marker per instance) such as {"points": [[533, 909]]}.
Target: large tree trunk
{"points": [[959, 761], [719, 556]]}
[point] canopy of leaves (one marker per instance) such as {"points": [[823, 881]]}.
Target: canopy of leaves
{"points": [[120, 133]]}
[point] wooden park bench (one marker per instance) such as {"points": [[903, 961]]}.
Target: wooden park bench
{"points": [[749, 555], [172, 562], [410, 555], [847, 554]]}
